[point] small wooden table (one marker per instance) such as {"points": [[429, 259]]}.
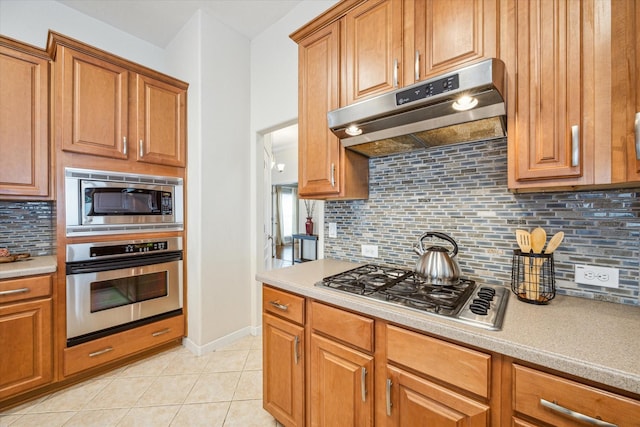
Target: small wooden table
{"points": [[302, 238]]}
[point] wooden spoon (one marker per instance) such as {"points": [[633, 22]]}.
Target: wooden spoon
{"points": [[554, 242], [538, 240], [524, 242]]}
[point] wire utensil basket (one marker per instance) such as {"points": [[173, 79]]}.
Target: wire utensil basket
{"points": [[533, 277]]}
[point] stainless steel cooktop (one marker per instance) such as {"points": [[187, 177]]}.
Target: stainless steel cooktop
{"points": [[464, 301]]}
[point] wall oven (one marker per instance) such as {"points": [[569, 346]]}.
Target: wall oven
{"points": [[100, 202], [115, 286]]}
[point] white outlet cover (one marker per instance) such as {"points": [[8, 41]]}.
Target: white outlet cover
{"points": [[333, 229], [370, 251], [597, 276]]}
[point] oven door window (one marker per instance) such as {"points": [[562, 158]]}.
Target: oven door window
{"points": [[113, 293]]}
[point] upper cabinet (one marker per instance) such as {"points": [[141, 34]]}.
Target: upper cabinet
{"points": [[373, 49], [112, 108], [625, 77], [24, 121], [448, 35], [573, 100], [326, 170]]}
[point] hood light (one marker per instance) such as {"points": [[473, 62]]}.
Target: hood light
{"points": [[465, 103], [354, 130]]}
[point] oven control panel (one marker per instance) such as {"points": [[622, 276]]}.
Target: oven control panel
{"points": [[100, 250], [129, 248]]}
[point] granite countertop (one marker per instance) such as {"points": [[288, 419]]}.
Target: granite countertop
{"points": [[590, 339], [28, 267]]}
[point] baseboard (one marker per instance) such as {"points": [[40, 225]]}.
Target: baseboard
{"points": [[222, 342]]}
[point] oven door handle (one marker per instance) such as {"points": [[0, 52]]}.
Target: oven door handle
{"points": [[118, 263]]}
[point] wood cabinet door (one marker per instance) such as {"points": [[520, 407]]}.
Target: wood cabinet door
{"points": [[26, 359], [341, 383], [633, 147], [161, 122], [453, 33], [373, 52], [283, 370], [414, 401], [548, 139], [24, 123], [319, 150], [94, 113]]}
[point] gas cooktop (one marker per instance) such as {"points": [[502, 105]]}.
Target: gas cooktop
{"points": [[463, 301]]}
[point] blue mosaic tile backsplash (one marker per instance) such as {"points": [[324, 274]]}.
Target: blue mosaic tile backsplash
{"points": [[28, 227], [461, 190]]}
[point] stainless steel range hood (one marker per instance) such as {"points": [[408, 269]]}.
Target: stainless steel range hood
{"points": [[423, 115]]}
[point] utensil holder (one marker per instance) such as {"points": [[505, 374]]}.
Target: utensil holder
{"points": [[533, 277]]}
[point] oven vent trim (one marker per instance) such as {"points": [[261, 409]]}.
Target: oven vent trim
{"points": [[97, 175], [85, 230]]}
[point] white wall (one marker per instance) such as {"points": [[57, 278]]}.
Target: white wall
{"points": [[30, 20], [274, 103]]}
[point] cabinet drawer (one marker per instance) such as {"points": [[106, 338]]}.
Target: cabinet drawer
{"points": [[25, 288], [536, 392], [283, 304], [348, 327], [116, 346], [459, 366]]}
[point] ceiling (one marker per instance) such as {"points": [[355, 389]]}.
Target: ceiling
{"points": [[158, 21]]}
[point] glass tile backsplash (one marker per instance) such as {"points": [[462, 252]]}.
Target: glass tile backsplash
{"points": [[461, 190], [28, 227]]}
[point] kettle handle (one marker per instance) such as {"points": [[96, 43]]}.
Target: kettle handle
{"points": [[440, 236]]}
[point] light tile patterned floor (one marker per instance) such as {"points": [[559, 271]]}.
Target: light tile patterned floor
{"points": [[174, 388]]}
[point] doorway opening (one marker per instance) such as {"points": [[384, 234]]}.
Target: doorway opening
{"points": [[285, 222]]}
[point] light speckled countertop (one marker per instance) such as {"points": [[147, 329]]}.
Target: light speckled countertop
{"points": [[594, 340], [28, 267]]}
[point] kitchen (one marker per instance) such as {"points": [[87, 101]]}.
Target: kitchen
{"points": [[244, 316]]}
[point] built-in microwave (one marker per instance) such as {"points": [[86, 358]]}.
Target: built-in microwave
{"points": [[106, 202]]}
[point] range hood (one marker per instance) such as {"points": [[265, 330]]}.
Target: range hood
{"points": [[461, 106]]}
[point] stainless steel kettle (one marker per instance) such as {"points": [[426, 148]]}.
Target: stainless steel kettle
{"points": [[437, 264]]}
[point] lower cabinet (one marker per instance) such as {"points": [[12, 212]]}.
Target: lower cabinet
{"points": [[341, 374], [26, 355], [414, 401], [354, 370], [540, 397], [117, 346]]}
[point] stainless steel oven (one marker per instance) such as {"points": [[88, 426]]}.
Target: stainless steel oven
{"points": [[114, 286], [107, 202]]}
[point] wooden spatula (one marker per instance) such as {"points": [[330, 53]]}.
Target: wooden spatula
{"points": [[524, 242], [538, 240], [554, 242]]}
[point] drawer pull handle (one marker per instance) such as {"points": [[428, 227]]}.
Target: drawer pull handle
{"points": [[363, 383], [141, 149], [575, 415], [279, 306], [15, 291], [124, 145], [296, 343], [389, 405], [333, 175], [417, 66], [637, 128], [395, 73], [99, 352], [575, 146], [162, 332]]}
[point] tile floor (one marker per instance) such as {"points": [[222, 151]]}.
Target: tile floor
{"points": [[174, 388]]}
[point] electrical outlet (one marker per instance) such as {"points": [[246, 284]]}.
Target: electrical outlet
{"points": [[370, 251], [597, 276], [333, 229]]}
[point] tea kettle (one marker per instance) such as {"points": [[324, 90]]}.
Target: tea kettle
{"points": [[437, 264]]}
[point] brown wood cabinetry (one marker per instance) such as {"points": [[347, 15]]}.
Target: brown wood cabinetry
{"points": [[283, 356], [547, 398], [109, 107], [373, 54], [449, 34], [341, 372], [26, 325], [625, 95], [326, 169], [550, 129], [101, 351], [24, 121]]}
